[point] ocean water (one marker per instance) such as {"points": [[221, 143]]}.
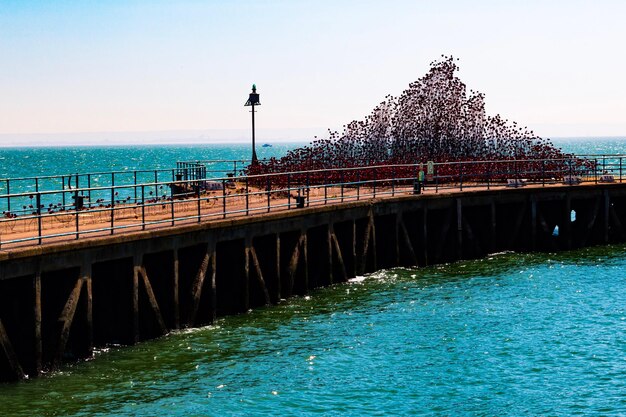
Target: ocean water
{"points": [[141, 164], [511, 334], [41, 161]]}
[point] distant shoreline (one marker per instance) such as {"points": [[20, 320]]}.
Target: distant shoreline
{"points": [[51, 143], [136, 144], [158, 138]]}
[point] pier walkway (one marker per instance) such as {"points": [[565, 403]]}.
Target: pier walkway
{"points": [[53, 216]]}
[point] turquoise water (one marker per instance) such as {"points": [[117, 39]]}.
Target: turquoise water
{"points": [[513, 334], [26, 163], [39, 161], [509, 335]]}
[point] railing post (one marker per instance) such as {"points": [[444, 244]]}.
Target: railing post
{"points": [[89, 189], [37, 189], [113, 205], [39, 226], [156, 181], [288, 191], [62, 189], [247, 198], [172, 202], [268, 188], [76, 210], [198, 201], [620, 169], [488, 175], [135, 186], [9, 192], [460, 176], [325, 187], [570, 173], [223, 198], [308, 188], [543, 172], [375, 179], [393, 182], [358, 184], [343, 180], [143, 207]]}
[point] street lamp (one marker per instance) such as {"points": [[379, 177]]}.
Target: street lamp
{"points": [[253, 100]]}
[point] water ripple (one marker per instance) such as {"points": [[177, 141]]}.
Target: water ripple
{"points": [[512, 334]]}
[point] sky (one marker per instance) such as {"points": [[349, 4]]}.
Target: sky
{"points": [[73, 71]]}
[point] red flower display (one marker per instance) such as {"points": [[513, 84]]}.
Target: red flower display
{"points": [[434, 119]]}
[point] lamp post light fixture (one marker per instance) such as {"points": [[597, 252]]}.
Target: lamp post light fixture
{"points": [[253, 100]]}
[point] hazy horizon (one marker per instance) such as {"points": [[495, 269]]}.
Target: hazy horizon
{"points": [[164, 66], [189, 137]]}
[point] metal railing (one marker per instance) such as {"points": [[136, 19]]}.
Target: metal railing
{"points": [[90, 181], [43, 216]]}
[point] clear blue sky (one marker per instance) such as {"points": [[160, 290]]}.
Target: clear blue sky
{"points": [[100, 66]]}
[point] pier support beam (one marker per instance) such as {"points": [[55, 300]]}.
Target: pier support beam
{"points": [[334, 244], [250, 254], [209, 258], [9, 353], [407, 240], [175, 289], [65, 321], [37, 322], [533, 223], [492, 229], [369, 237], [606, 223], [459, 228], [300, 248]]}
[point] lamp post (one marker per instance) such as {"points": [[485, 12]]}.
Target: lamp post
{"points": [[253, 100]]}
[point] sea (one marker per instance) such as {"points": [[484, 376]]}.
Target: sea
{"points": [[513, 334]]}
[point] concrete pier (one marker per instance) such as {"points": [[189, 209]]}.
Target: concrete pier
{"points": [[59, 301]]}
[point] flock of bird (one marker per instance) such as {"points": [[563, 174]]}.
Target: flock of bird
{"points": [[434, 119]]}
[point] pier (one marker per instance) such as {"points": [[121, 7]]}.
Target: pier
{"points": [[182, 262]]}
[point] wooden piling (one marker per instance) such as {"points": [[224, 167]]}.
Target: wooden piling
{"points": [[152, 299], [175, 289], [65, 320], [259, 274], [459, 228], [533, 223], [37, 321], [86, 275], [136, 265], [9, 353], [278, 277], [335, 244], [407, 240]]}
